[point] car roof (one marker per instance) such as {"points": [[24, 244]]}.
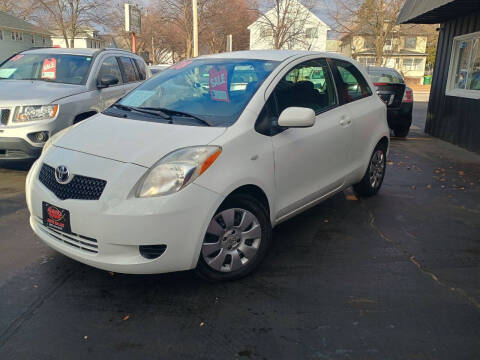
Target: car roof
{"points": [[75, 51], [272, 55]]}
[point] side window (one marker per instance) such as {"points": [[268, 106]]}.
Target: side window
{"points": [[110, 67], [128, 69], [351, 83], [142, 70], [307, 85]]}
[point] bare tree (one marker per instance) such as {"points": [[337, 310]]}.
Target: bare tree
{"points": [[374, 18], [22, 9], [284, 23], [70, 16]]}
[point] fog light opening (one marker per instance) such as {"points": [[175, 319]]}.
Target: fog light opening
{"points": [[152, 251], [39, 137]]}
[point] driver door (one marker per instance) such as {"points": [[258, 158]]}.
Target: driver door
{"points": [[310, 162], [110, 94]]}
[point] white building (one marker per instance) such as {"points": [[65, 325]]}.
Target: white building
{"points": [[311, 32], [87, 38]]}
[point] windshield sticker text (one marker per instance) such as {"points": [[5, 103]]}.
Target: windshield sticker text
{"points": [[49, 69], [219, 84], [16, 57]]}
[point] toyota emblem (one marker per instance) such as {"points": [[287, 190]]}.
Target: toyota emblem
{"points": [[62, 175]]}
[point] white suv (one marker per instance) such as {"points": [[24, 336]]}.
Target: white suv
{"points": [[194, 167]]}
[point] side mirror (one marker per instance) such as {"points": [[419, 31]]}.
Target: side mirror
{"points": [[107, 80], [297, 117]]}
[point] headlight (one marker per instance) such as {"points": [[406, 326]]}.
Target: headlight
{"points": [[36, 112], [176, 170]]}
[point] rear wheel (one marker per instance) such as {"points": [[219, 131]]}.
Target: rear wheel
{"points": [[401, 131], [236, 241], [373, 178]]}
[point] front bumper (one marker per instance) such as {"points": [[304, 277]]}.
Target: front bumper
{"points": [[12, 148], [118, 224]]}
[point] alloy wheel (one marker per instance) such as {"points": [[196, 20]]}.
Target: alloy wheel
{"points": [[377, 168]]}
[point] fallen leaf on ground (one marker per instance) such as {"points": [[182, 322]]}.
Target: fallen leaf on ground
{"points": [[85, 337], [35, 286], [390, 162], [413, 187], [126, 317], [202, 323], [429, 186], [325, 221], [461, 173], [111, 273]]}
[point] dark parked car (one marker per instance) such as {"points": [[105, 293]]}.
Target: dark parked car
{"points": [[396, 95]]}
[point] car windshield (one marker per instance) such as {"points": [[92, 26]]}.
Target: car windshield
{"points": [[385, 76], [212, 91], [59, 68]]}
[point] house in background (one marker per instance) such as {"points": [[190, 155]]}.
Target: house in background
{"points": [[17, 35], [87, 38], [405, 51], [313, 30], [454, 106]]}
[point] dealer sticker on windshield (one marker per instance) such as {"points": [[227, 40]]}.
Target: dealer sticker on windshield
{"points": [[219, 84]]}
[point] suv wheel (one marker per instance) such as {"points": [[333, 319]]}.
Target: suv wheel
{"points": [[401, 131], [373, 178], [236, 241]]}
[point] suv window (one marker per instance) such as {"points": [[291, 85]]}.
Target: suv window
{"points": [[351, 84], [307, 85], [142, 70], [110, 67], [128, 69]]}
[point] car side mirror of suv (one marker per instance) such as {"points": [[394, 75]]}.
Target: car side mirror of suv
{"points": [[107, 80], [297, 117]]}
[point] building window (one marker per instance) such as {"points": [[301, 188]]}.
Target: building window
{"points": [[464, 71], [266, 32], [1, 34], [412, 64], [311, 33], [367, 61], [17, 35], [44, 40], [369, 43], [33, 39], [411, 43]]}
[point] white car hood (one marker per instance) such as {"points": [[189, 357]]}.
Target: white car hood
{"points": [[133, 141]]}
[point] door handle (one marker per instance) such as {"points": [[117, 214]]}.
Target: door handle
{"points": [[345, 121]]}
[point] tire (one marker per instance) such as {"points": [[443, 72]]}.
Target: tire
{"points": [[373, 178], [401, 132], [228, 253]]}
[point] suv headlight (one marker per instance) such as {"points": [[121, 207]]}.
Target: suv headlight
{"points": [[36, 112], [176, 170]]}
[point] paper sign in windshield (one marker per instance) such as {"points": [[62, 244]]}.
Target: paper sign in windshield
{"points": [[49, 69], [219, 84], [16, 57], [181, 64]]}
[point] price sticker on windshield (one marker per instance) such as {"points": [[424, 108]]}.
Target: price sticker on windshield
{"points": [[49, 69], [219, 84], [16, 57]]}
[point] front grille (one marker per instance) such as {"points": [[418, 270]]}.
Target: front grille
{"points": [[80, 242], [79, 188], [4, 116]]}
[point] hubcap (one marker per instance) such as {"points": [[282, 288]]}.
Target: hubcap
{"points": [[377, 169], [232, 240]]}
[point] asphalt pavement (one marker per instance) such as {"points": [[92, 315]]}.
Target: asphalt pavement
{"points": [[396, 276]]}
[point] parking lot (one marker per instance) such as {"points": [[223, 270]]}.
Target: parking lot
{"points": [[396, 276]]}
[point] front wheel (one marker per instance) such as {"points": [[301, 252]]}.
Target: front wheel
{"points": [[373, 178], [236, 241]]}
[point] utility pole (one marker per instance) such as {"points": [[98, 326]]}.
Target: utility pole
{"points": [[195, 28], [229, 43]]}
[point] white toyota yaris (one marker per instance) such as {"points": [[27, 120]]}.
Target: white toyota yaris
{"points": [[193, 168]]}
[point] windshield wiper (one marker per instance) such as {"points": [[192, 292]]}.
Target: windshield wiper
{"points": [[179, 113], [144, 110]]}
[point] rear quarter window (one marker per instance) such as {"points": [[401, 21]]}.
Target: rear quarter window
{"points": [[350, 82]]}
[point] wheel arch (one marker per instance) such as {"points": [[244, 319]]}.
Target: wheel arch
{"points": [[254, 191], [84, 115]]}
